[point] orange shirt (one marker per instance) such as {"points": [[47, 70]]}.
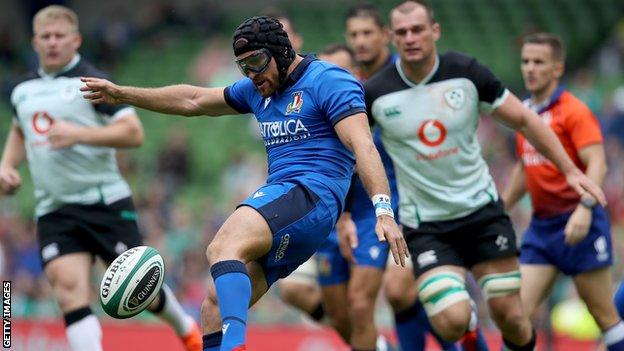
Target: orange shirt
{"points": [[576, 127]]}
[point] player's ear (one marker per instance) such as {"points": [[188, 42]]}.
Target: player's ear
{"points": [[437, 31], [387, 34], [77, 41], [559, 69]]}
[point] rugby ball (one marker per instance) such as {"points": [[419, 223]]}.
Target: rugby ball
{"points": [[132, 282]]}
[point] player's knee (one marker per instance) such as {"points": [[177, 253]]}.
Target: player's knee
{"points": [[361, 307], [290, 292], [215, 251], [447, 303], [451, 324], [68, 289], [398, 296], [509, 320]]}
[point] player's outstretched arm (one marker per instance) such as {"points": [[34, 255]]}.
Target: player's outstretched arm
{"points": [[13, 156], [514, 114], [354, 132], [516, 188], [182, 99]]}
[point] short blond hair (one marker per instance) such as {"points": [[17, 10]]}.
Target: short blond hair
{"points": [[54, 13]]}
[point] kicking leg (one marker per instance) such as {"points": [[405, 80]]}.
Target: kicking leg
{"points": [[244, 237]]}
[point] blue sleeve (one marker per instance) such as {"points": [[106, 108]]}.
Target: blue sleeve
{"points": [[239, 94], [340, 94]]}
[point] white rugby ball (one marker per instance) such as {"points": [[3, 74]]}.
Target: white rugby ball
{"points": [[132, 282]]}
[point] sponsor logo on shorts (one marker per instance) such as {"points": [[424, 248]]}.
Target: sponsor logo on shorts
{"points": [[50, 251], [502, 242], [601, 248], [426, 258], [325, 267], [281, 249], [374, 252]]}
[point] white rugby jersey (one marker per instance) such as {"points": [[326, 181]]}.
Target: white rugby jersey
{"points": [[81, 174], [429, 130]]}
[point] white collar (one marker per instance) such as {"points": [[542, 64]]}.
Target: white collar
{"points": [[424, 80], [74, 61]]}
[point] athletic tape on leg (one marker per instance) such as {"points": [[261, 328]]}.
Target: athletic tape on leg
{"points": [[500, 284], [441, 290]]}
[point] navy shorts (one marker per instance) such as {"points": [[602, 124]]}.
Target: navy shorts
{"points": [[99, 229], [299, 220], [543, 243], [335, 269]]}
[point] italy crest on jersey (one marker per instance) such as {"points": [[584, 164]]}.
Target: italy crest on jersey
{"points": [[295, 105], [455, 98]]}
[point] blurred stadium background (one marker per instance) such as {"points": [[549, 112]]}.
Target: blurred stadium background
{"points": [[191, 173]]}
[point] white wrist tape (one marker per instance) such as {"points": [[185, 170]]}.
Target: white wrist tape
{"points": [[382, 205]]}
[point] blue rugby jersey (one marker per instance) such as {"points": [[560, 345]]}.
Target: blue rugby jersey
{"points": [[297, 125]]}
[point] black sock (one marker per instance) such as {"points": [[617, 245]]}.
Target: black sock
{"points": [[212, 340], [528, 347], [318, 313], [408, 313], [76, 315]]}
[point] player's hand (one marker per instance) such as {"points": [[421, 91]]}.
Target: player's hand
{"points": [[387, 230], [578, 225], [101, 91], [347, 236], [63, 135], [583, 186], [10, 180]]}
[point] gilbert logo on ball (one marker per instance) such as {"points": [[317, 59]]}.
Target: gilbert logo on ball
{"points": [[132, 282]]}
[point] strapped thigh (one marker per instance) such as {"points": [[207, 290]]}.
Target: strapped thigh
{"points": [[441, 290], [500, 284]]}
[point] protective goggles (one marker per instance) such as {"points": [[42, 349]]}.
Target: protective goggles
{"points": [[257, 62]]}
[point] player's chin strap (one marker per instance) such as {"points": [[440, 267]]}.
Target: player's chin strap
{"points": [[382, 205], [500, 284], [441, 290]]}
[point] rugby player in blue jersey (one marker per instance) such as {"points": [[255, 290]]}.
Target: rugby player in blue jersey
{"points": [[313, 122]]}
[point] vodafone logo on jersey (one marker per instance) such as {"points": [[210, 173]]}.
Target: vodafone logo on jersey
{"points": [[432, 132], [42, 122]]}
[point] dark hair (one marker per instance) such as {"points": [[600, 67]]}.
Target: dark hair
{"points": [[409, 6], [366, 10], [554, 41], [337, 47]]}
